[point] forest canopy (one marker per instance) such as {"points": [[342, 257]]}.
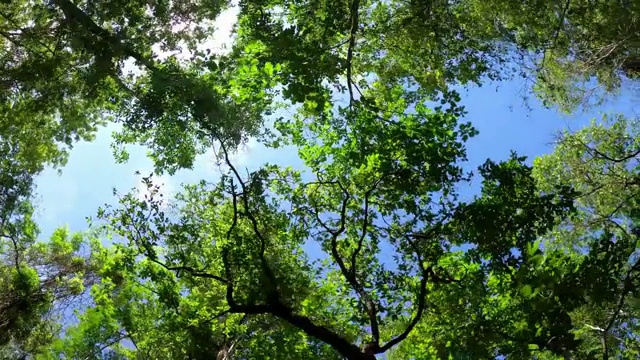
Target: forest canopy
{"points": [[370, 248]]}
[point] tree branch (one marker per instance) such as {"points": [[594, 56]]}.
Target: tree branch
{"points": [[340, 344], [355, 22], [254, 222], [202, 100], [363, 232], [79, 17], [227, 271], [422, 295], [557, 32], [234, 199], [626, 289], [274, 305], [191, 271], [349, 275], [626, 157], [372, 310], [16, 249], [420, 310]]}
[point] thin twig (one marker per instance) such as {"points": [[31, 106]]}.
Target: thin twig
{"points": [[355, 22]]}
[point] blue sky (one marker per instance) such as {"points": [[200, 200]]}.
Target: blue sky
{"points": [[87, 181], [504, 122], [496, 110]]}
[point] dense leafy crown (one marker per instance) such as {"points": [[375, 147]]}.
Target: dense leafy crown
{"points": [[368, 249]]}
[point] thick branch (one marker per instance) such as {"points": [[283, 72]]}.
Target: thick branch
{"points": [[338, 343], [227, 271], [599, 153]]}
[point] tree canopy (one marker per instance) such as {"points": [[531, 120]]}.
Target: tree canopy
{"points": [[370, 249]]}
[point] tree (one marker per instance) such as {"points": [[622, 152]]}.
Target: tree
{"points": [[230, 255], [575, 52], [46, 103], [79, 51], [403, 267], [37, 279], [601, 161]]}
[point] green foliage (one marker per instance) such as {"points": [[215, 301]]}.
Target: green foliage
{"points": [[38, 279], [575, 52], [230, 254], [509, 202], [541, 264], [601, 162]]}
